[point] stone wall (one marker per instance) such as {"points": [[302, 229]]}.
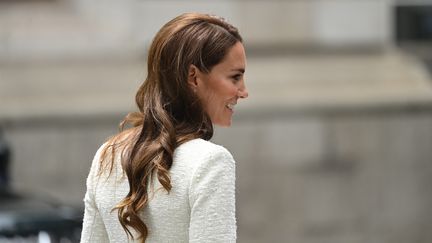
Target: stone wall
{"points": [[319, 177], [348, 178], [71, 29], [330, 147]]}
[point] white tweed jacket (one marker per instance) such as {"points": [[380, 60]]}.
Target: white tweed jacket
{"points": [[199, 208]]}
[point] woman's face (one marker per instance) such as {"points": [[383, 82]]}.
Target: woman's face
{"points": [[220, 89]]}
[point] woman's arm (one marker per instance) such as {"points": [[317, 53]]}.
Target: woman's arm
{"points": [[93, 230], [212, 200]]}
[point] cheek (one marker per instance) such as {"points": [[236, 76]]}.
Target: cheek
{"points": [[214, 103], [225, 89], [216, 93], [208, 99]]}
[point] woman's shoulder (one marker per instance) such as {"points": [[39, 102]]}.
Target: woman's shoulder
{"points": [[125, 136], [197, 152], [119, 140], [113, 146], [201, 147]]}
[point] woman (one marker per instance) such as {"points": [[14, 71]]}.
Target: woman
{"points": [[162, 180]]}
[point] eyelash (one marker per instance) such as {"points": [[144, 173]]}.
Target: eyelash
{"points": [[237, 77]]}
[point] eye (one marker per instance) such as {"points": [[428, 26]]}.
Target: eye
{"points": [[237, 77]]}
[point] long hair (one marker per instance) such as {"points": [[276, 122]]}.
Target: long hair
{"points": [[169, 112]]}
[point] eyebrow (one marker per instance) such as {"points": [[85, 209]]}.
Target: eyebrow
{"points": [[239, 70]]}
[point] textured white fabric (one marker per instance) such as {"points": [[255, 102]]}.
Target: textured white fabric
{"points": [[199, 208]]}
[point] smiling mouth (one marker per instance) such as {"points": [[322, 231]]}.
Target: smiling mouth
{"points": [[231, 106]]}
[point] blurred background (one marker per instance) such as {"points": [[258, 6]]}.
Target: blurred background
{"points": [[334, 143]]}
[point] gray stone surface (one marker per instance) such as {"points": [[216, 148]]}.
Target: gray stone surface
{"points": [[342, 166], [330, 146], [369, 186]]}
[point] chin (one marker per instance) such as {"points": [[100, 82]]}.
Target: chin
{"points": [[223, 123]]}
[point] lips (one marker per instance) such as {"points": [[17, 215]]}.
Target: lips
{"points": [[231, 106]]}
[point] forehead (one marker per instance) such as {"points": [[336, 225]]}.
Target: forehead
{"points": [[234, 59]]}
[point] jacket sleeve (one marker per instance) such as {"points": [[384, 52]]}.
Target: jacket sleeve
{"points": [[93, 230], [212, 200]]}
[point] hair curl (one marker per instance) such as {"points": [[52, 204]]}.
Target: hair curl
{"points": [[169, 112]]}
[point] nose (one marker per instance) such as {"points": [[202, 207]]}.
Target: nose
{"points": [[242, 92]]}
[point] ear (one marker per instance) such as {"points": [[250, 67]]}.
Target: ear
{"points": [[193, 76]]}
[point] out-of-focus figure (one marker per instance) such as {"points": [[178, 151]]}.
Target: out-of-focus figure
{"points": [[5, 155]]}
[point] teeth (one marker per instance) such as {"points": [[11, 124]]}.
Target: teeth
{"points": [[231, 106]]}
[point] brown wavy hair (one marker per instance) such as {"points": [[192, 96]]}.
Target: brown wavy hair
{"points": [[169, 111]]}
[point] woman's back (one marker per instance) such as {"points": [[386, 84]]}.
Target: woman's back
{"points": [[199, 208]]}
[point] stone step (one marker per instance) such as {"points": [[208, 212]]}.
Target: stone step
{"points": [[277, 83]]}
